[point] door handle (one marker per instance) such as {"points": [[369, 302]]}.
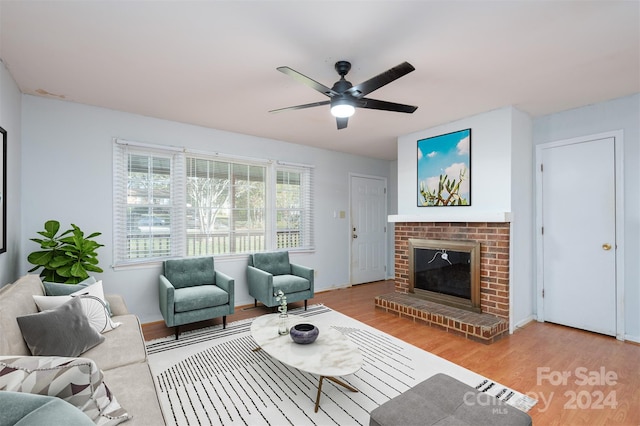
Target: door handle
{"points": [[355, 236], [606, 246]]}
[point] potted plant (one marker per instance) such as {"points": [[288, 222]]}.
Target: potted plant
{"points": [[66, 258]]}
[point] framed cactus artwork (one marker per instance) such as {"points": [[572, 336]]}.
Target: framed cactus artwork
{"points": [[444, 170]]}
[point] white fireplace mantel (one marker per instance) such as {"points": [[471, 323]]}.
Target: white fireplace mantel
{"points": [[448, 216]]}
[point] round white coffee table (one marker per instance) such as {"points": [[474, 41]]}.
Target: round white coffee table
{"points": [[331, 355]]}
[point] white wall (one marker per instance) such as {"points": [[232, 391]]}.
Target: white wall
{"points": [[392, 196], [490, 166], [67, 176], [522, 296], [622, 113], [10, 120], [501, 182]]}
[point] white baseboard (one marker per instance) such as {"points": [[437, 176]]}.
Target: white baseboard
{"points": [[635, 339], [627, 337], [523, 322]]}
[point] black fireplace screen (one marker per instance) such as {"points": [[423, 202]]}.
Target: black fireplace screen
{"points": [[443, 271]]}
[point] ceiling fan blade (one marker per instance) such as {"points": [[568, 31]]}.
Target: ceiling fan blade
{"points": [[384, 105], [307, 81], [342, 122], [366, 87], [292, 108]]}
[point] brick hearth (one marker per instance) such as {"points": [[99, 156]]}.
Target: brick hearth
{"points": [[494, 238], [483, 328]]}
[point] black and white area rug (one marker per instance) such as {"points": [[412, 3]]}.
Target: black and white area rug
{"points": [[214, 377]]}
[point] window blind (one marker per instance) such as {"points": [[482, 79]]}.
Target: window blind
{"points": [[148, 204], [169, 202]]}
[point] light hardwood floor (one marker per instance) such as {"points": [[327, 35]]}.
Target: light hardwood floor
{"points": [[603, 386]]}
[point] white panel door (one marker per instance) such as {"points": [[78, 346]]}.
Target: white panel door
{"points": [[579, 247], [368, 229]]}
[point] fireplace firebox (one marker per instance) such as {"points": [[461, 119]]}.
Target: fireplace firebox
{"points": [[446, 272]]}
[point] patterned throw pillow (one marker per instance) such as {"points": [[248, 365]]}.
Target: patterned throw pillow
{"points": [[58, 289], [98, 315], [78, 381]]}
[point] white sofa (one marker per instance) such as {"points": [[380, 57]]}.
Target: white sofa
{"points": [[122, 356]]}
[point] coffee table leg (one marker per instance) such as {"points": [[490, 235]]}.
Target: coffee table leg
{"points": [[343, 384], [319, 393], [333, 379]]}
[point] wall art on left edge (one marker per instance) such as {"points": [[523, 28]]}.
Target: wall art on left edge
{"points": [[444, 170], [3, 193]]}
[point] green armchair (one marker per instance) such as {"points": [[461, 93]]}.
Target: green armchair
{"points": [[192, 290], [269, 272]]}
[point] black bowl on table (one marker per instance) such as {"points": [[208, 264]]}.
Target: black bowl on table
{"points": [[304, 333]]}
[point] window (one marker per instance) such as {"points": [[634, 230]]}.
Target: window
{"points": [[293, 207], [173, 203], [225, 207]]}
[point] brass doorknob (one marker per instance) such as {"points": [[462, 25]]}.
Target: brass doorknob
{"points": [[606, 246]]}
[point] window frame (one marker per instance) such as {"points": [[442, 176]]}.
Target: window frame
{"points": [[178, 181]]}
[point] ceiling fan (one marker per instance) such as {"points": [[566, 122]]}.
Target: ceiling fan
{"points": [[345, 97]]}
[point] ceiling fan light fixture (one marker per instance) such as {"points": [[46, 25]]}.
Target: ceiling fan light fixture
{"points": [[342, 108], [345, 97]]}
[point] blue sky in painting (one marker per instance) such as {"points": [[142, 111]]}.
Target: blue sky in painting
{"points": [[444, 154]]}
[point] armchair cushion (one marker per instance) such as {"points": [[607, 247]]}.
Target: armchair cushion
{"points": [[199, 297], [190, 272], [276, 263], [290, 284]]}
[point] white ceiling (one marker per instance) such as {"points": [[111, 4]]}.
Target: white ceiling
{"points": [[213, 63]]}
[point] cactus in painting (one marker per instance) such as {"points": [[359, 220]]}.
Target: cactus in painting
{"points": [[447, 193]]}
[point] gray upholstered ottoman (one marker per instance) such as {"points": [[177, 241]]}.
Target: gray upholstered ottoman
{"points": [[443, 400]]}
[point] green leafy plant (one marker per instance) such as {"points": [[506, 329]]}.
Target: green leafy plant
{"points": [[65, 258], [447, 193]]}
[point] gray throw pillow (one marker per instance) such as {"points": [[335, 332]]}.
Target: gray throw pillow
{"points": [[63, 331], [59, 289]]}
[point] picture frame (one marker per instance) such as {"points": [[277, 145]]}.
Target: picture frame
{"points": [[3, 194], [444, 170]]}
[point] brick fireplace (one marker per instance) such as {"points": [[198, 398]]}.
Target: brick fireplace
{"points": [[493, 320]]}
